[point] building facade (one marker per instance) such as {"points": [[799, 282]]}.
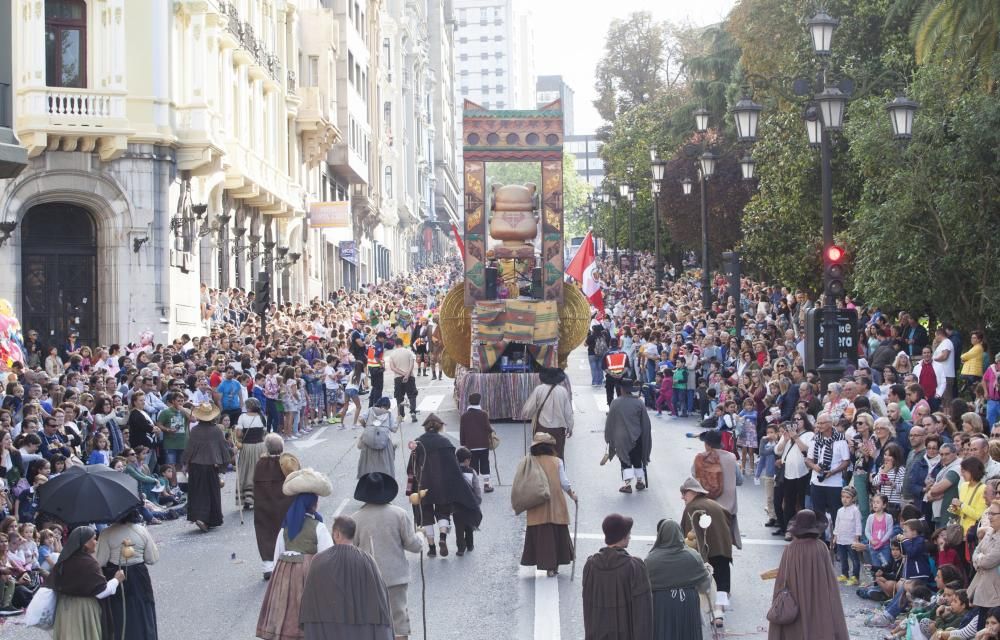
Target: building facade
{"points": [[178, 143], [551, 88], [586, 148]]}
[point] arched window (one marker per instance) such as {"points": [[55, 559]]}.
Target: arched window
{"points": [[66, 43]]}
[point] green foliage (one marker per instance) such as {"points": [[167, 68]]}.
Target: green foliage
{"points": [[927, 224], [966, 30]]}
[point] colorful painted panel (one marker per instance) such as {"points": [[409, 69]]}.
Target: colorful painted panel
{"points": [[475, 231], [552, 230], [512, 135]]}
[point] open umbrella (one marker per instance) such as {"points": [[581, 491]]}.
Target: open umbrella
{"points": [[91, 494]]}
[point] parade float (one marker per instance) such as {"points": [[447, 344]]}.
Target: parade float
{"points": [[513, 315]]}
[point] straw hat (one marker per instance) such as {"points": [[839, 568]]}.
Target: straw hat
{"points": [[206, 412], [307, 481]]}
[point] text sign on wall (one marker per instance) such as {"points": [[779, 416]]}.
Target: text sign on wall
{"points": [[330, 215]]}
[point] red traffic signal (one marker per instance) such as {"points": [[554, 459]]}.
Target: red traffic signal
{"points": [[834, 253]]}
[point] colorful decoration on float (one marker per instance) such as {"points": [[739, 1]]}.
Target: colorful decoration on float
{"points": [[11, 341]]}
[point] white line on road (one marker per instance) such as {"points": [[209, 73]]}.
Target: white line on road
{"points": [[430, 403], [749, 541], [546, 604], [343, 503], [311, 440]]}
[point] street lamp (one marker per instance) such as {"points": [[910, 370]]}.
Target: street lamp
{"points": [[606, 195], [746, 114], [821, 27], [701, 120], [707, 162], [686, 186], [625, 191], [901, 112], [747, 166], [659, 169], [814, 127], [832, 103]]}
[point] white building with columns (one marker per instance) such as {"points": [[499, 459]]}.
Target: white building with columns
{"points": [[178, 142]]}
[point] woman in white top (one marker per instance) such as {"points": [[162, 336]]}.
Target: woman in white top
{"points": [[250, 432], [790, 453], [127, 546]]}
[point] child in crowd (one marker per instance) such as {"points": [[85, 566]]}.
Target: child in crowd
{"points": [[911, 541], [746, 438], [463, 530], [847, 532], [878, 532], [314, 387], [353, 391], [47, 551], [100, 450], [765, 469], [666, 391]]}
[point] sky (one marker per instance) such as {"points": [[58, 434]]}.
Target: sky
{"points": [[569, 38]]}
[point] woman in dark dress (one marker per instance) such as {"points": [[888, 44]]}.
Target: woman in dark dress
{"points": [[142, 430], [81, 607], [205, 455], [677, 575], [127, 546]]}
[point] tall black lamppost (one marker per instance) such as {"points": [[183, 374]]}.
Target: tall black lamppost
{"points": [[614, 223], [706, 169], [824, 116], [659, 168], [625, 191]]}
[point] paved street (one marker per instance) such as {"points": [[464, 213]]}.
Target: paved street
{"points": [[209, 585]]}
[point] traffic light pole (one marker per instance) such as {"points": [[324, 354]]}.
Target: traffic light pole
{"points": [[831, 370]]}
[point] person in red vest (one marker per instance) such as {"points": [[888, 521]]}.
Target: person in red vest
{"points": [[616, 367]]}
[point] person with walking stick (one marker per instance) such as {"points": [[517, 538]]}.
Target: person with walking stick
{"points": [[546, 542]]}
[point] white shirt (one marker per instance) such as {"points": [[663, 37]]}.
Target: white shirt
{"points": [[945, 369], [794, 459], [841, 452]]}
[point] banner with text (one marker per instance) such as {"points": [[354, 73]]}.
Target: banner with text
{"points": [[330, 215]]}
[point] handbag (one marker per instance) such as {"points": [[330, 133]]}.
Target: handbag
{"points": [[784, 610], [41, 611], [494, 440]]}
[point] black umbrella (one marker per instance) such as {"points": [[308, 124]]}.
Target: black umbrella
{"points": [[91, 494]]}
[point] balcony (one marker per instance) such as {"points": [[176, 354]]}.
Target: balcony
{"points": [[316, 123], [252, 179], [58, 118]]}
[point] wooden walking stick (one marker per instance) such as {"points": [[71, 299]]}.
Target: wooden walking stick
{"points": [[496, 468], [576, 525]]}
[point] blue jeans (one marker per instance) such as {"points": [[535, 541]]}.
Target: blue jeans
{"points": [[273, 416], [690, 400], [172, 456], [825, 500], [845, 553], [992, 412], [880, 557], [650, 371], [596, 375]]}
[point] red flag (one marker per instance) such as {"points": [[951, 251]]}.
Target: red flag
{"points": [[581, 268], [458, 240]]}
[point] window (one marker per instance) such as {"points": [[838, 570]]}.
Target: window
{"points": [[499, 88], [483, 38], [465, 91], [387, 53], [463, 72], [387, 114], [387, 182], [485, 89], [66, 43], [498, 54], [463, 40], [312, 79], [499, 71], [350, 67], [501, 104], [463, 57], [498, 38], [484, 55]]}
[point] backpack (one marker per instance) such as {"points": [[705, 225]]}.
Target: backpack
{"points": [[530, 487], [601, 346], [378, 436], [708, 471]]}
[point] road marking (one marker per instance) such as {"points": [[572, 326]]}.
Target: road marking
{"points": [[430, 403], [343, 503], [311, 440], [748, 541], [546, 625]]}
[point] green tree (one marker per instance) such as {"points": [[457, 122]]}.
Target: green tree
{"points": [[968, 30]]}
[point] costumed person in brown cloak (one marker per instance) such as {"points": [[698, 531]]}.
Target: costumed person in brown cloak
{"points": [[270, 504], [806, 572], [553, 404], [345, 597], [706, 521], [617, 601], [434, 477], [546, 541], [386, 532], [205, 456], [302, 536], [629, 436], [81, 606]]}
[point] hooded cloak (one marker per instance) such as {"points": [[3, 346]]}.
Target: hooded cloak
{"points": [[672, 564], [807, 573], [627, 422], [343, 593], [434, 467]]}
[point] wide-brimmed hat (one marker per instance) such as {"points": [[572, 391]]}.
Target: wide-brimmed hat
{"points": [[807, 522], [616, 527], [433, 420], [629, 385], [206, 412], [306, 481], [288, 463], [541, 437], [692, 484], [551, 375], [376, 488]]}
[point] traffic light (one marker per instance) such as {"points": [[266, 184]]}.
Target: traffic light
{"points": [[834, 271], [261, 293]]}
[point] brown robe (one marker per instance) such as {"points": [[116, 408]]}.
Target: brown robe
{"points": [[344, 597], [718, 537], [807, 573], [617, 600], [474, 429], [270, 504]]}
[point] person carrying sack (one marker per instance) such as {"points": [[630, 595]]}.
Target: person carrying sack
{"points": [[551, 408]]}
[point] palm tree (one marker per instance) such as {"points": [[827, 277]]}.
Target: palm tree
{"points": [[967, 29]]}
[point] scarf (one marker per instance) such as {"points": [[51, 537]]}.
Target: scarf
{"points": [[671, 563], [303, 506], [827, 445]]}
